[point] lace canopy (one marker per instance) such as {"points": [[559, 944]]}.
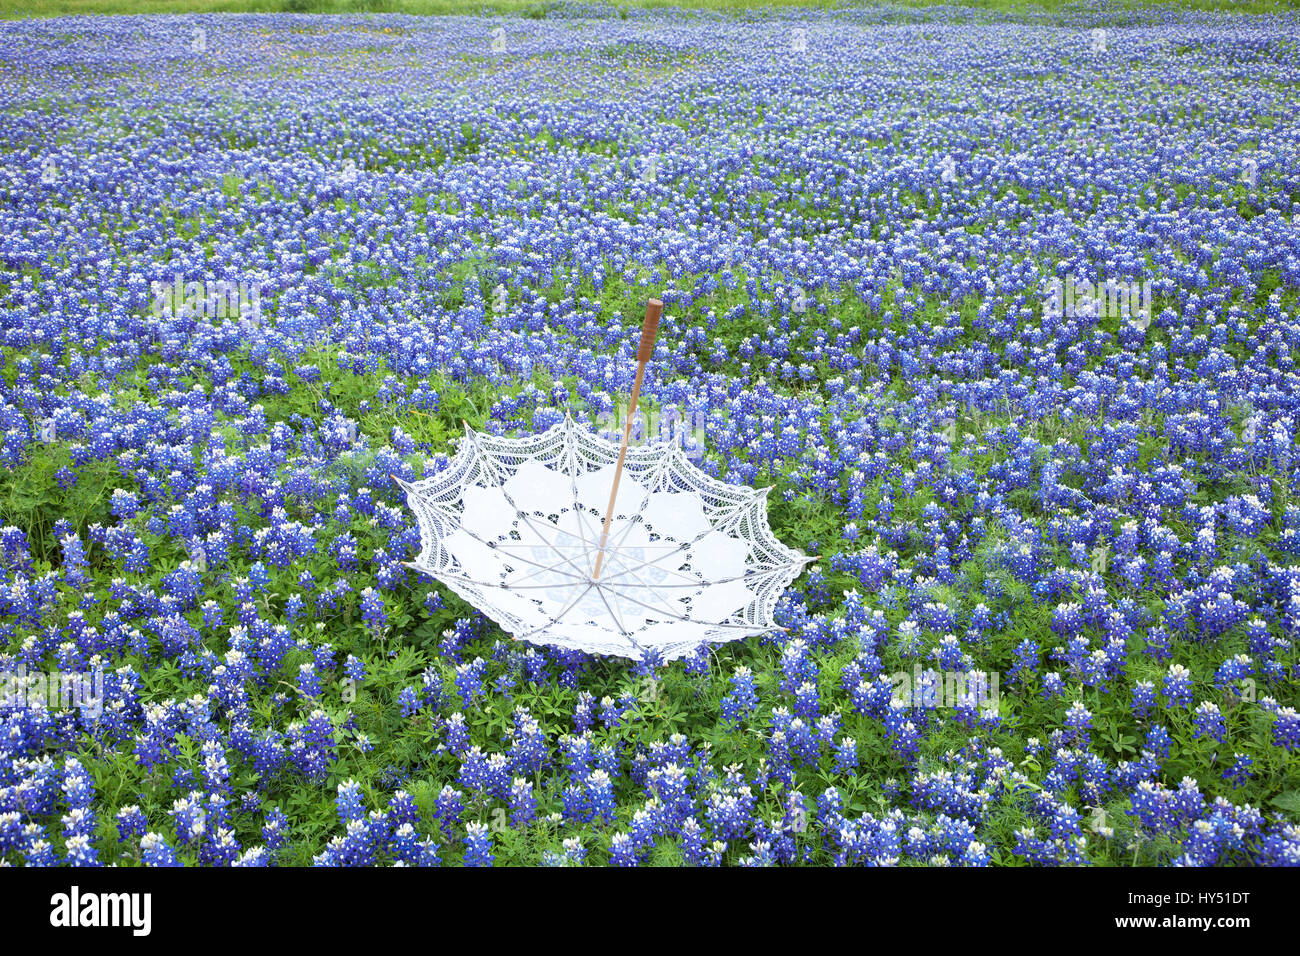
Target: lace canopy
{"points": [[513, 525]]}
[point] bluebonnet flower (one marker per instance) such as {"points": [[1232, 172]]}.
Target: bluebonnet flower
{"points": [[846, 756], [743, 699], [275, 829], [457, 733], [1144, 698], [1079, 720], [449, 805], [1240, 771], [1158, 740], [1286, 728], [1177, 686], [1209, 722], [155, 851], [349, 802], [469, 679], [130, 822], [189, 817], [478, 845], [372, 609], [409, 701]]}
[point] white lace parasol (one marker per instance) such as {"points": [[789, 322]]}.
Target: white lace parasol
{"points": [[514, 526]]}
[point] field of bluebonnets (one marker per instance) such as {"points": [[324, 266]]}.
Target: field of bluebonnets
{"points": [[252, 266]]}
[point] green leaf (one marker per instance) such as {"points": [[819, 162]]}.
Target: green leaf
{"points": [[1288, 800]]}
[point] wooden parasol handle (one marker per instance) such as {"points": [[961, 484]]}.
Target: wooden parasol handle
{"points": [[649, 329]]}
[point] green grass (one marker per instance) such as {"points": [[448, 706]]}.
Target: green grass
{"points": [[10, 9]]}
